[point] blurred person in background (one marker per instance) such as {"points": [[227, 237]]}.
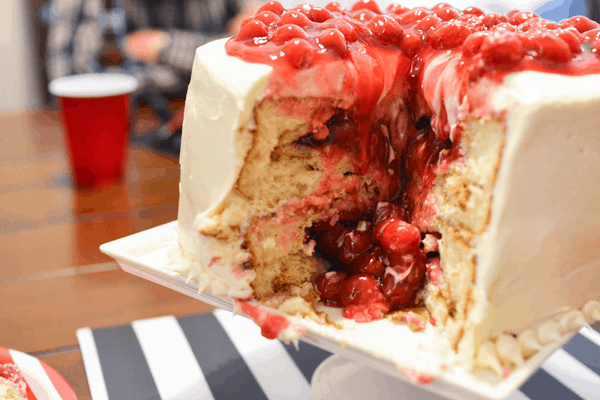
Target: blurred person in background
{"points": [[153, 40]]}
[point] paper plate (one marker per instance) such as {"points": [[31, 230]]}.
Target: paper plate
{"points": [[43, 382]]}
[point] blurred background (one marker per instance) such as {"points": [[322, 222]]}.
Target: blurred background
{"points": [[25, 26]]}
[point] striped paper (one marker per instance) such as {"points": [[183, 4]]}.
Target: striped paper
{"points": [[221, 356]]}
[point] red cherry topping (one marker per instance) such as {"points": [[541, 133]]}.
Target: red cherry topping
{"points": [[294, 17], [363, 15], [537, 22], [473, 11], [506, 27], [359, 289], [412, 17], [344, 27], [246, 20], [366, 5], [286, 32], [493, 19], [371, 263], [354, 243], [319, 14], [550, 47], [267, 17], [440, 6], [397, 9], [386, 29], [428, 23], [502, 49], [273, 6], [253, 30], [401, 282], [448, 35], [473, 43], [388, 210], [446, 13], [595, 48], [572, 37], [336, 7], [397, 236], [332, 39], [521, 16], [590, 36], [411, 43], [328, 287], [582, 24], [299, 53]]}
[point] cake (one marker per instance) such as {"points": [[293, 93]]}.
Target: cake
{"points": [[12, 383], [431, 166]]}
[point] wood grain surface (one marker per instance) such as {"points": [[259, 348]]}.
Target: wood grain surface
{"points": [[53, 277]]}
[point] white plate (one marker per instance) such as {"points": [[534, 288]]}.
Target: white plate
{"points": [[43, 382], [390, 345]]}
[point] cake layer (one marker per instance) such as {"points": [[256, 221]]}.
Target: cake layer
{"points": [[492, 153]]}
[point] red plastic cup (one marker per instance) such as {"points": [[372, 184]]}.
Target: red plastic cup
{"points": [[95, 113]]}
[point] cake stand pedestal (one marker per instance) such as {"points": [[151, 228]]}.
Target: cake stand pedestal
{"points": [[338, 378]]}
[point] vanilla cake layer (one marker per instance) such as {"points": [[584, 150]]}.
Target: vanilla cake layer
{"points": [[517, 213]]}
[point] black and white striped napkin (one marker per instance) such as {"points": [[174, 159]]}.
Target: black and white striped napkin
{"points": [[220, 356]]}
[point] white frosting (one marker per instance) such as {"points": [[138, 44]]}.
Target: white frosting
{"points": [[538, 256], [552, 143], [220, 100]]}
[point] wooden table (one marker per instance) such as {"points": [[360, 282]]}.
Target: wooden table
{"points": [[53, 278]]}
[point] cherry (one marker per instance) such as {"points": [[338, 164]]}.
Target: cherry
{"points": [[591, 36], [473, 43], [299, 53], [363, 15], [506, 27], [582, 24], [343, 131], [537, 22], [331, 241], [328, 287], [521, 16], [253, 30], [319, 14], [411, 43], [572, 37], [336, 7], [550, 47], [473, 11], [386, 29], [366, 5], [267, 17], [388, 210], [440, 6], [370, 263], [397, 9], [428, 23], [401, 282], [273, 6], [448, 35], [595, 48], [493, 19], [397, 236], [359, 289], [286, 32], [501, 49], [354, 243], [413, 16], [446, 13], [296, 18], [344, 27]]}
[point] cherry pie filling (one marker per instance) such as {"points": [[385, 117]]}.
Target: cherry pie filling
{"points": [[379, 262]]}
